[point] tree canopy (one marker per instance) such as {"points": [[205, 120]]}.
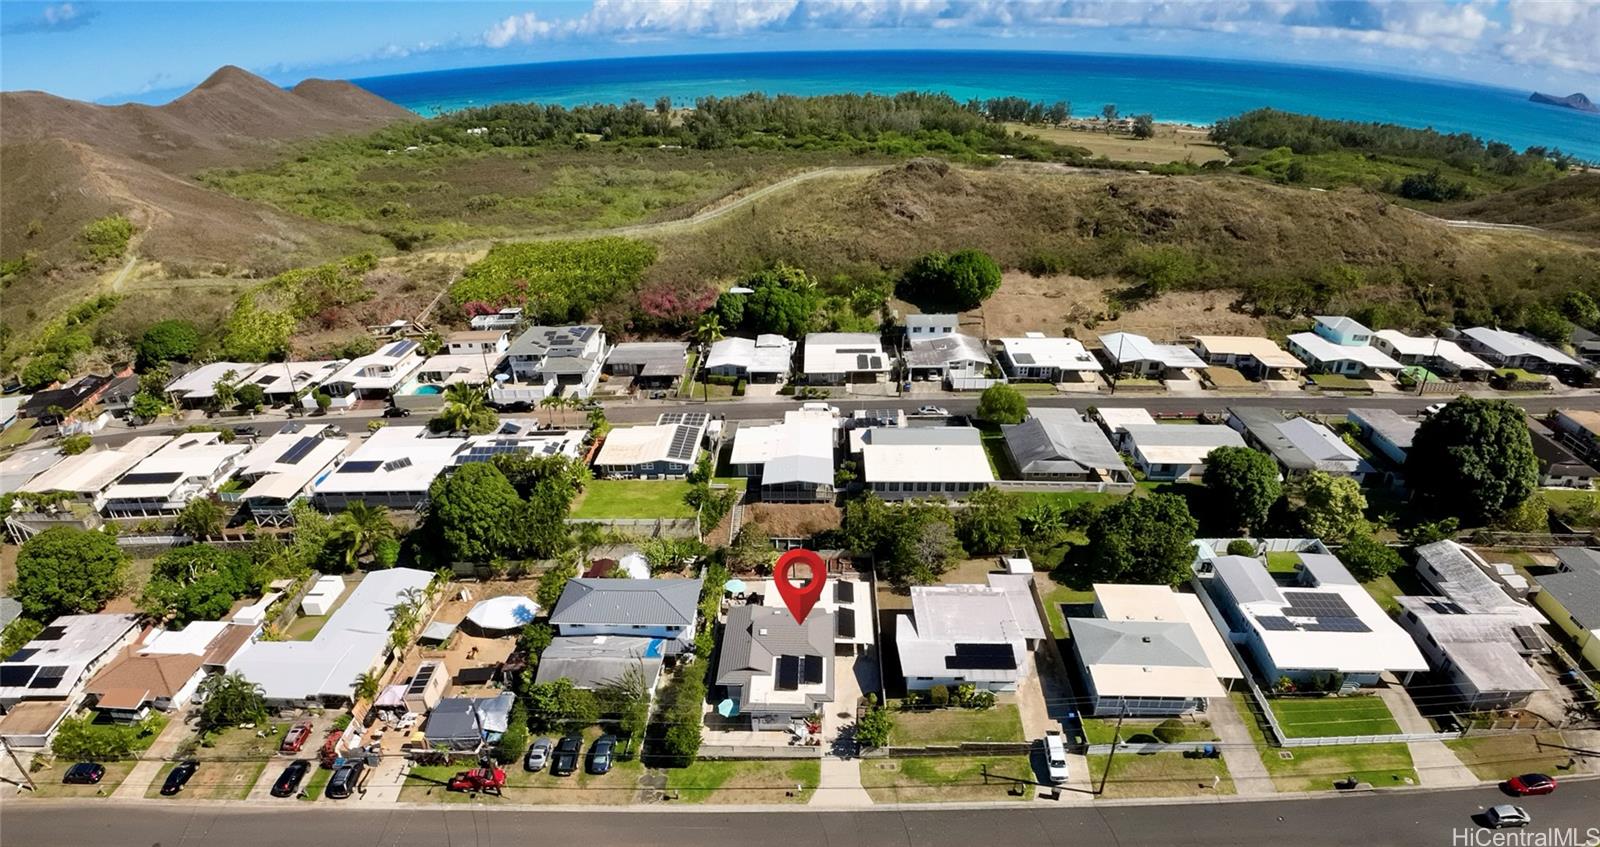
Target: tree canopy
{"points": [[67, 571], [172, 340], [991, 523], [198, 582], [1473, 460], [229, 700], [1246, 485], [963, 279], [912, 543], [1002, 404], [475, 515], [1142, 540], [1330, 507]]}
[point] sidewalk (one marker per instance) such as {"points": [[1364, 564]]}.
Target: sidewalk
{"points": [[1436, 764], [1239, 751], [840, 784], [162, 749]]}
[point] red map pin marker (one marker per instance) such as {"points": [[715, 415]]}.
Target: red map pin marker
{"points": [[800, 599]]}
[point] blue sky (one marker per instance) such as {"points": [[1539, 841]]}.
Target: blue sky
{"points": [[120, 50]]}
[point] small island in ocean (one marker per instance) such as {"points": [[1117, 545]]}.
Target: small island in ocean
{"points": [[1571, 101]]}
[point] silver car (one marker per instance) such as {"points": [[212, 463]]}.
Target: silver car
{"points": [[538, 755], [1500, 817]]}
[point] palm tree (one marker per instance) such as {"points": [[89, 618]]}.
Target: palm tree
{"points": [[360, 529], [366, 686], [708, 332], [553, 402], [464, 406]]}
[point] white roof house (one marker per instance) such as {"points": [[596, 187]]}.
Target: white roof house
{"points": [[199, 385], [89, 474], [280, 380], [1115, 602], [1035, 356], [947, 355], [487, 342], [792, 460], [903, 463], [1127, 348], [1323, 355], [1252, 351], [190, 465], [452, 368], [21, 467], [1327, 623], [766, 355], [352, 642], [669, 448], [1172, 452], [973, 634], [282, 469], [376, 374], [1116, 420], [1425, 349], [63, 656], [1510, 349], [396, 465], [835, 355]]}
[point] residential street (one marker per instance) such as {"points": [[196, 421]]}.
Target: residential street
{"points": [[1410, 817]]}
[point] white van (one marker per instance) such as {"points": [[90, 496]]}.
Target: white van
{"points": [[1055, 756]]}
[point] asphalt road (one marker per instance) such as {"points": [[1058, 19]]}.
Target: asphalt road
{"points": [[645, 411], [1420, 818]]}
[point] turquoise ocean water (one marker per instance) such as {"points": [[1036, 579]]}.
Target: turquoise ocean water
{"points": [[1172, 89]]}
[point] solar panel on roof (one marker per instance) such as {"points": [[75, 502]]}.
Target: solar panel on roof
{"points": [[1318, 604], [788, 677], [299, 450], [979, 657], [16, 676], [22, 655], [360, 467], [51, 633], [844, 591], [845, 623], [1276, 623], [812, 668], [877, 362], [397, 464], [861, 362], [401, 348], [1529, 637], [49, 676], [1335, 624], [154, 478]]}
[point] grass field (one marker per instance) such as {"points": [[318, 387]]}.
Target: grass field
{"points": [[1317, 768], [633, 498], [994, 446], [944, 779], [1055, 598], [1160, 775], [1505, 756], [1170, 144], [1323, 717], [1282, 561], [745, 782], [315, 783], [1098, 731], [955, 725]]}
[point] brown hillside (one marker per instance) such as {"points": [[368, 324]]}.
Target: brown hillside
{"points": [[1566, 205]]}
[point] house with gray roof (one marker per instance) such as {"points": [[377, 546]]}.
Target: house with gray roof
{"points": [[595, 661], [777, 670], [1062, 444], [1169, 452], [465, 724], [1570, 598], [641, 608], [651, 364], [1389, 432], [1142, 667], [1300, 445], [547, 360], [766, 358], [941, 357]]}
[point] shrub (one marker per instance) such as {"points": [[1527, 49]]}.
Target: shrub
{"points": [[1241, 547], [939, 696], [105, 238], [72, 445], [1169, 731], [874, 727], [558, 280]]}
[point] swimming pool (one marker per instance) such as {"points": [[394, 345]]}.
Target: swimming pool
{"points": [[428, 389]]}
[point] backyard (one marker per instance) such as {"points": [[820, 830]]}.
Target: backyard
{"points": [[633, 498], [1058, 596], [953, 725], [745, 782], [1100, 731], [1160, 775], [945, 779]]}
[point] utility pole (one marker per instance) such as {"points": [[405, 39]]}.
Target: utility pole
{"points": [[1116, 740], [26, 777]]}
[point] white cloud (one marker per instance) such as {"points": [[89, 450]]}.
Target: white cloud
{"points": [[56, 17]]}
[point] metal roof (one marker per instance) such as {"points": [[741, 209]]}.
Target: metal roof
{"points": [[1061, 441], [628, 602]]}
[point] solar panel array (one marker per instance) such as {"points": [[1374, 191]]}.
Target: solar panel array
{"points": [[51, 633], [845, 623], [49, 676], [788, 676], [1276, 623], [401, 348], [982, 657], [397, 464], [16, 676], [153, 478], [22, 655], [419, 683], [1335, 625], [684, 442], [844, 591], [299, 450], [360, 467], [1318, 604], [689, 418], [812, 670]]}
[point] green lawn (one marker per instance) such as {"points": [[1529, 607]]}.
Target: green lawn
{"points": [[994, 446], [1385, 589], [944, 779], [1053, 600], [1316, 768], [1323, 717], [48, 781], [1102, 731], [315, 783], [1160, 775], [1064, 499], [955, 725], [1504, 756], [745, 782], [230, 766], [1045, 388], [633, 498], [1339, 382], [1282, 561], [17, 433]]}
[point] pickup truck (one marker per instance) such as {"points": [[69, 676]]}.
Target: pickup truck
{"points": [[1055, 756]]}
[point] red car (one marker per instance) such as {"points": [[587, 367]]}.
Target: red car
{"points": [[295, 738], [1531, 783]]}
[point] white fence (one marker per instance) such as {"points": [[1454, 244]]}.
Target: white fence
{"points": [[971, 383], [1063, 485], [652, 527], [1336, 740]]}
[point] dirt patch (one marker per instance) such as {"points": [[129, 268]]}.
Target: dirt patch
{"points": [[1070, 304]]}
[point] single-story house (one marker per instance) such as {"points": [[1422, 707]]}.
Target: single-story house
{"points": [[1175, 453], [50, 405], [1386, 430], [641, 608], [1149, 650], [1570, 598], [1558, 466], [766, 358], [1115, 421], [1324, 624], [281, 470], [1037, 358], [1324, 356], [1130, 352], [19, 468], [281, 382], [549, 360], [667, 449], [593, 662], [465, 724], [834, 358], [1299, 445], [43, 682], [652, 364], [793, 462], [943, 357], [931, 326], [1061, 444], [905, 463], [198, 387], [353, 641], [1255, 357], [776, 670], [979, 635], [489, 343], [164, 669], [1513, 350], [1440, 355], [396, 465], [507, 319], [190, 465], [1579, 430], [90, 474]]}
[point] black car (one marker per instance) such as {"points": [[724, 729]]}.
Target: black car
{"points": [[289, 781], [84, 773], [564, 762], [344, 780], [601, 753], [396, 412], [250, 432], [178, 777]]}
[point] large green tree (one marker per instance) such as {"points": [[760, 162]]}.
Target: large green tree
{"points": [[1330, 507], [198, 582], [1245, 484], [229, 700], [991, 522], [1002, 404], [963, 279], [360, 531], [1142, 540], [66, 571], [911, 543], [475, 515], [1473, 460], [173, 340], [556, 706]]}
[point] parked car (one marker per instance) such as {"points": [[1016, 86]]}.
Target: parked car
{"points": [[1055, 756], [933, 411], [84, 773], [538, 755], [289, 781], [396, 412], [601, 753], [1432, 409], [564, 761], [1500, 817], [295, 738], [344, 780], [178, 777], [249, 432], [1530, 784]]}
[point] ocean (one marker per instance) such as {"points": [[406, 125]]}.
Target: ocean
{"points": [[1172, 89]]}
